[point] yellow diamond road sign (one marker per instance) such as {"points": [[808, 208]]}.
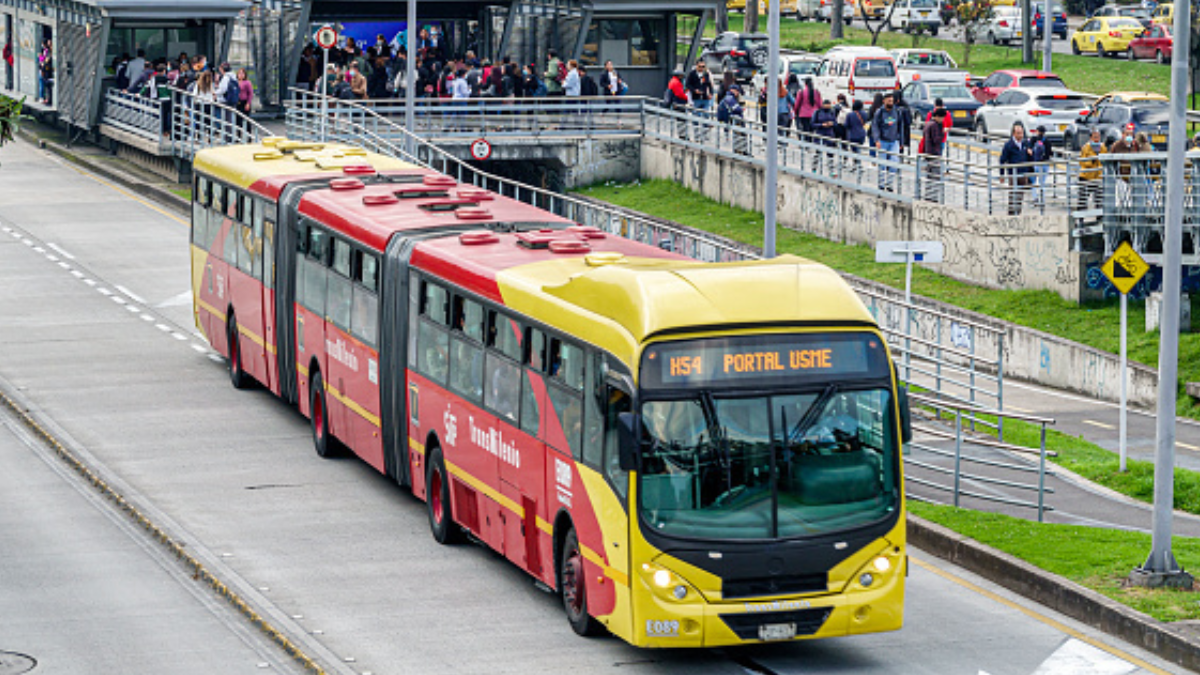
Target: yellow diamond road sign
{"points": [[1125, 268]]}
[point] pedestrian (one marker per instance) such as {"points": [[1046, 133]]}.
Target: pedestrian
{"points": [[841, 109], [46, 73], [675, 98], [1150, 170], [731, 112], [932, 140], [555, 75], [245, 92], [947, 122], [377, 82], [610, 81], [905, 120], [727, 81], [699, 88], [1125, 145], [136, 67], [571, 85], [885, 136], [307, 72], [358, 83], [856, 131], [1015, 161], [1090, 175], [203, 97], [533, 86], [824, 127], [793, 84], [587, 84], [807, 103], [1041, 156]]}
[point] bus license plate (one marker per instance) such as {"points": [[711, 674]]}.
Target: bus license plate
{"points": [[777, 631]]}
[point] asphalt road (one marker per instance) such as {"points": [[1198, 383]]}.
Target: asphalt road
{"points": [[97, 338]]}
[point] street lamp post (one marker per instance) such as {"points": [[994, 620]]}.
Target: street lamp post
{"points": [[410, 79], [772, 150], [1161, 569]]}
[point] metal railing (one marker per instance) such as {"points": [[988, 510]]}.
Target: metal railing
{"points": [[197, 123], [136, 114], [1133, 194], [558, 116], [947, 354], [1007, 474]]}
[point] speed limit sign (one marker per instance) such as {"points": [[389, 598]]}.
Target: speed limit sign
{"points": [[326, 37], [480, 149]]}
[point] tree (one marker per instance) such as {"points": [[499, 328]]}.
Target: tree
{"points": [[10, 114], [835, 20], [974, 17], [881, 22], [722, 17], [751, 14]]}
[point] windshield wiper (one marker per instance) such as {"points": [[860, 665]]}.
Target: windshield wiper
{"points": [[719, 439], [813, 412]]}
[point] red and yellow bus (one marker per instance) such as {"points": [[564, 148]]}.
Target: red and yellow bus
{"points": [[691, 454]]}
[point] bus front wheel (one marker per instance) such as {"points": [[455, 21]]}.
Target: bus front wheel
{"points": [[237, 374], [573, 584], [323, 441], [437, 501]]}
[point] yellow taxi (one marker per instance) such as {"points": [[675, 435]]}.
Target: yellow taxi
{"points": [[1004, 3], [1128, 97], [1164, 15], [739, 5], [1106, 35], [785, 6]]}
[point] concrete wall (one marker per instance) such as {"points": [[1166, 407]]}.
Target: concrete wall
{"points": [[1027, 354], [1023, 252], [580, 162]]}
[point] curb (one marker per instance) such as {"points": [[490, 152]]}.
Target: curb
{"points": [[126, 180], [1055, 592]]}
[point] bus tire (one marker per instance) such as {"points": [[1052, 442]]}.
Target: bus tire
{"points": [[437, 501], [318, 412], [237, 374], [573, 585]]}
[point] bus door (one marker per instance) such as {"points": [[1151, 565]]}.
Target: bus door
{"points": [[312, 257], [245, 236], [223, 221], [264, 228]]}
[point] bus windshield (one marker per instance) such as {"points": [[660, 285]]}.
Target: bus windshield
{"points": [[722, 464]]}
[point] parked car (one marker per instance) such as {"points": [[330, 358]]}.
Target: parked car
{"points": [[1001, 80], [800, 64], [1105, 35], [847, 11], [1058, 26], [1154, 43], [808, 10], [1055, 109], [1004, 26], [875, 9], [1149, 116], [858, 72], [916, 15], [910, 62], [1164, 15], [786, 7], [956, 98], [1132, 11], [741, 53]]}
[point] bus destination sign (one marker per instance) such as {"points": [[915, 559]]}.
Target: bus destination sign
{"points": [[740, 361]]}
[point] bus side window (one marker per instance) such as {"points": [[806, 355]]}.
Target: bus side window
{"points": [[617, 402], [535, 349], [201, 197], [531, 414], [435, 303], [503, 335], [230, 252], [566, 363], [364, 320], [338, 306], [593, 411]]}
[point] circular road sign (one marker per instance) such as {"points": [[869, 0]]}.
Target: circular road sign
{"points": [[480, 149], [326, 37]]}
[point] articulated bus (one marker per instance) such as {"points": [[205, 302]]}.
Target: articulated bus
{"points": [[689, 454]]}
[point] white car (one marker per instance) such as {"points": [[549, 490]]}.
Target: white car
{"points": [[910, 15], [847, 11], [1055, 109], [1003, 27], [915, 63]]}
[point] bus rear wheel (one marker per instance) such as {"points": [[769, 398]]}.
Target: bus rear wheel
{"points": [[324, 442], [573, 584], [237, 375], [437, 501]]}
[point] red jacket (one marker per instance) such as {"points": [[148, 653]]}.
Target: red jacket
{"points": [[677, 90], [947, 122]]}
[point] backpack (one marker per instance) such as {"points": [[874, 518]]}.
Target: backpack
{"points": [[562, 72], [232, 91], [723, 112]]}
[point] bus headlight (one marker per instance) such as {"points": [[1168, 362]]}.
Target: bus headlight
{"points": [[866, 579], [665, 582], [680, 592], [882, 564], [662, 578]]}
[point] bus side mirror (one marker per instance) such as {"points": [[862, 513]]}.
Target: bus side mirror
{"points": [[905, 417], [628, 441]]}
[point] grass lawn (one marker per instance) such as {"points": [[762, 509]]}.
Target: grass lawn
{"points": [[186, 193], [1094, 323], [1081, 73], [1099, 559]]}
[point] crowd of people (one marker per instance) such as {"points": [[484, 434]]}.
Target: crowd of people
{"points": [[190, 74], [381, 71]]}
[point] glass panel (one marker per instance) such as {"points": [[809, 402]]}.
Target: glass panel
{"points": [[566, 363], [339, 301], [618, 402], [341, 258], [314, 287], [368, 271], [153, 40], [434, 303], [269, 253], [504, 387], [708, 468], [230, 250], [593, 413], [364, 319], [531, 422], [504, 335], [433, 351], [644, 42], [466, 369], [246, 248]]}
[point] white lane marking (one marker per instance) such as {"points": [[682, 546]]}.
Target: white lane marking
{"points": [[1187, 446], [1102, 425], [51, 257], [1079, 658], [117, 299], [64, 265], [179, 336], [90, 282], [1092, 401], [103, 291], [6, 228], [39, 249], [163, 327], [77, 274], [184, 298], [1016, 409], [199, 348], [27, 242], [217, 358], [61, 252], [131, 294], [147, 317], [134, 309]]}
